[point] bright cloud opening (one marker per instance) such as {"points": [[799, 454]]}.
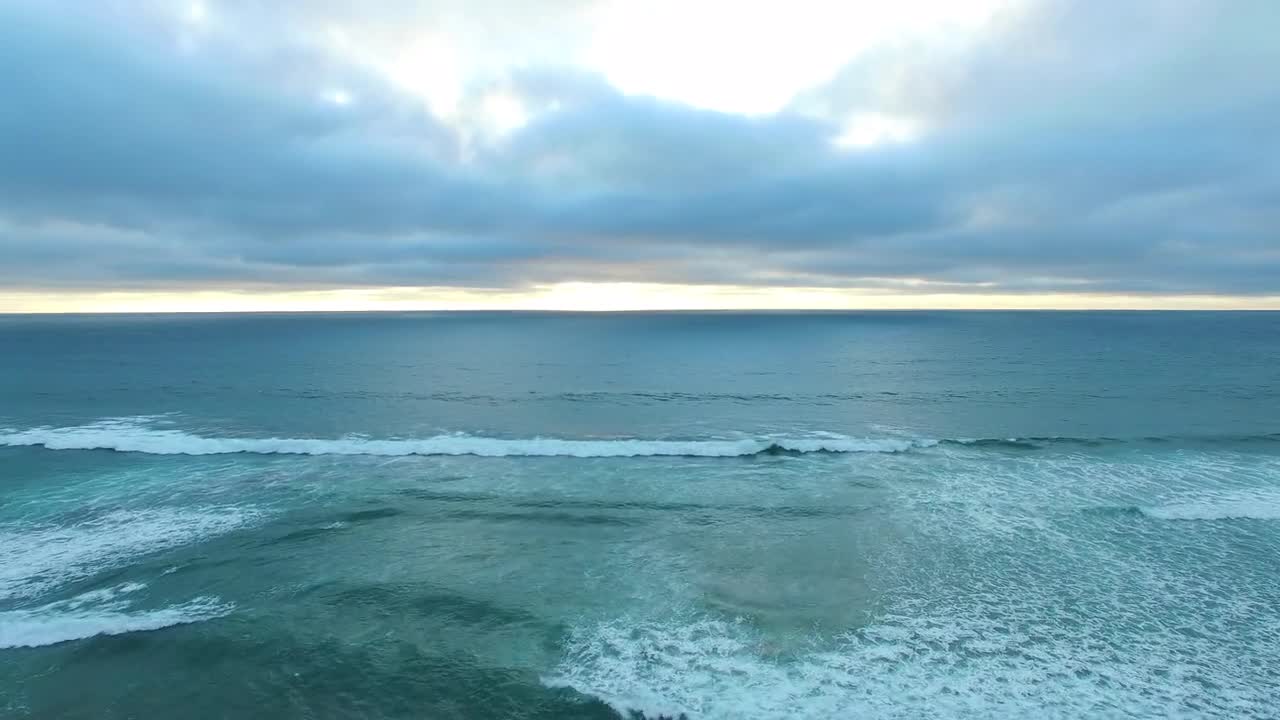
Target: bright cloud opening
{"points": [[337, 97], [753, 58], [866, 130], [504, 113]]}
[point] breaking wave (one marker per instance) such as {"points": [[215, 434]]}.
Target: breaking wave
{"points": [[137, 435], [904, 667], [37, 558], [99, 612], [131, 436]]}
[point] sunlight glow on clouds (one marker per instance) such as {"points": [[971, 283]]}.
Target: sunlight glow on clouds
{"points": [[754, 57], [429, 68], [870, 129], [603, 297], [503, 112], [337, 97], [197, 12]]}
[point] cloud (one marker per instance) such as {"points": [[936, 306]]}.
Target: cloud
{"points": [[1066, 147]]}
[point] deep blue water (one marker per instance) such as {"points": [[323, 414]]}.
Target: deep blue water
{"points": [[474, 515]]}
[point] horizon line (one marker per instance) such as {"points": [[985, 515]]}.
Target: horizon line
{"points": [[636, 311], [600, 297]]}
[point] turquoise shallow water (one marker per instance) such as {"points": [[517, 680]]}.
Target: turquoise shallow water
{"points": [[897, 515]]}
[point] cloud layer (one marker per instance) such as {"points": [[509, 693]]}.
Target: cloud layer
{"points": [[1054, 147]]}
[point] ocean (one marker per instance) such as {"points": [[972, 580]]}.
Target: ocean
{"points": [[721, 515]]}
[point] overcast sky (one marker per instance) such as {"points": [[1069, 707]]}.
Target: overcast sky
{"points": [[501, 151]]}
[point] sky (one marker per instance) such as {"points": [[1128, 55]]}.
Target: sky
{"points": [[187, 155]]}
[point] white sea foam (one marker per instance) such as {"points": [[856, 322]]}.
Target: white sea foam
{"points": [[1241, 505], [99, 612], [917, 667], [36, 558], [128, 435]]}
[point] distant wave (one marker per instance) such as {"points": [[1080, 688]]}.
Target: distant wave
{"points": [[129, 436], [1042, 441], [138, 435], [1030, 443], [100, 612]]}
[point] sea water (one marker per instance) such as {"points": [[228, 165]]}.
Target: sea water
{"points": [[833, 515]]}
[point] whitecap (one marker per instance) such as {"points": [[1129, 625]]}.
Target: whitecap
{"points": [[906, 667], [98, 612], [129, 435], [37, 558], [1240, 505]]}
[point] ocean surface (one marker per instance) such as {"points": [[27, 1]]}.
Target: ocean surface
{"points": [[839, 515]]}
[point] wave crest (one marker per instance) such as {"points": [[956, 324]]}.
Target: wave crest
{"points": [[139, 435], [129, 436], [99, 612], [34, 559]]}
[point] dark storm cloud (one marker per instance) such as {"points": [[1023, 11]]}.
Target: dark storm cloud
{"points": [[1086, 147]]}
